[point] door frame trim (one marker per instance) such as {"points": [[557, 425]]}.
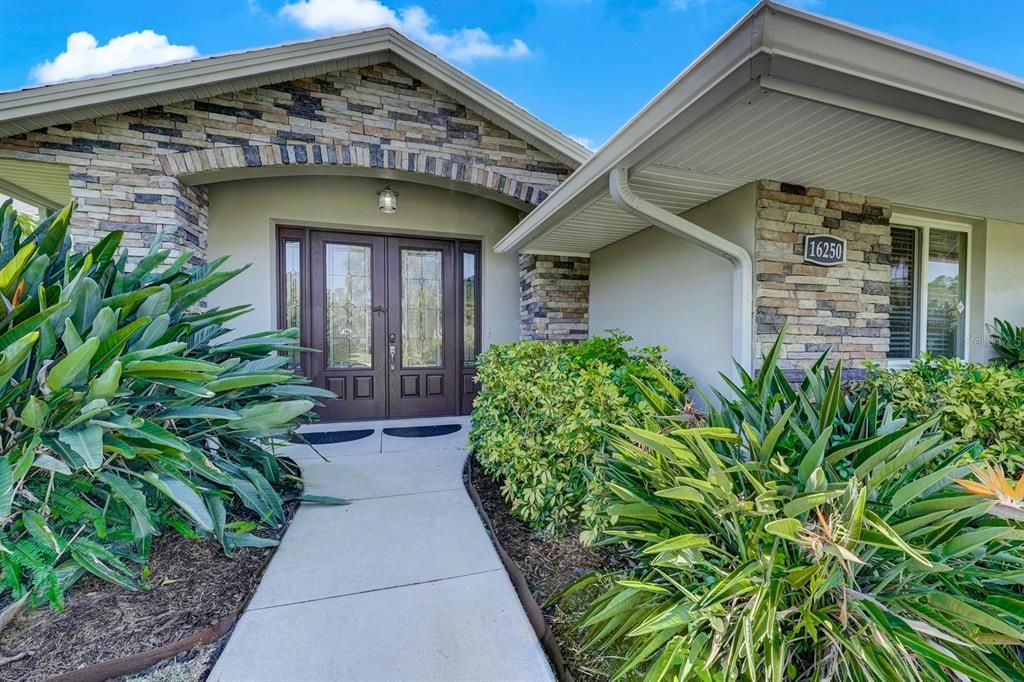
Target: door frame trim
{"points": [[284, 232]]}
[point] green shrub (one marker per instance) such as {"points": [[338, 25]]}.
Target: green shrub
{"points": [[816, 537], [126, 412], [1008, 342], [535, 423], [982, 403]]}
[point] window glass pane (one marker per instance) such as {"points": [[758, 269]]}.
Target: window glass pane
{"points": [[902, 301], [348, 305], [422, 314], [293, 289], [946, 292], [469, 289]]}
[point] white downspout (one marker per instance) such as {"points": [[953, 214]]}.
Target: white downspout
{"points": [[743, 268]]}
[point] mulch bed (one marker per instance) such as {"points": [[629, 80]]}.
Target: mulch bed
{"points": [[549, 563], [192, 585]]}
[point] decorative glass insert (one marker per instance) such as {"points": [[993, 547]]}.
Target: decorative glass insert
{"points": [[348, 305], [947, 251], [470, 283], [422, 309], [903, 271], [293, 291]]}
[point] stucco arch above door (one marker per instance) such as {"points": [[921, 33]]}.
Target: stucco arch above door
{"points": [[228, 163]]}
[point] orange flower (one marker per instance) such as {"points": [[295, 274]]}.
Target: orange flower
{"points": [[18, 293], [993, 483]]}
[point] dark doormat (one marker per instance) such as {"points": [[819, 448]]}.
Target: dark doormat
{"points": [[327, 437], [422, 431]]}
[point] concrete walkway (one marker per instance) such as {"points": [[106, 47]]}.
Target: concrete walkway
{"points": [[402, 584]]}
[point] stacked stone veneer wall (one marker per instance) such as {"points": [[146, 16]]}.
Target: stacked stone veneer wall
{"points": [[126, 170], [554, 302], [846, 306]]}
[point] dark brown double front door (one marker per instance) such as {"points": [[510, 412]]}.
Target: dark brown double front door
{"points": [[388, 317]]}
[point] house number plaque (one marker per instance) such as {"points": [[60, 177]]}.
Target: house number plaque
{"points": [[824, 249]]}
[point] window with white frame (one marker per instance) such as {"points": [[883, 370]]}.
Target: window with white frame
{"points": [[928, 288]]}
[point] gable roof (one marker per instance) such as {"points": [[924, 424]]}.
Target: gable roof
{"points": [[37, 107]]}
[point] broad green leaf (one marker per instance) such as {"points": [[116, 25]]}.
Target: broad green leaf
{"points": [[234, 383], [6, 489], [184, 496], [72, 365], [788, 529], [36, 525], [14, 355], [814, 456], [680, 542], [683, 493], [86, 442], [106, 384], [961, 610], [799, 505], [323, 499], [103, 565], [51, 464], [133, 497], [205, 413], [34, 412]]}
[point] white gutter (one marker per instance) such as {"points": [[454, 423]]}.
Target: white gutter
{"points": [[743, 268]]}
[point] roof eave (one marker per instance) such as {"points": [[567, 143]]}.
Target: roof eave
{"points": [[36, 107], [775, 47]]}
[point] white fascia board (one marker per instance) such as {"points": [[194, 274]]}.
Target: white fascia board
{"points": [[846, 48], [838, 64], [975, 103], [35, 107]]}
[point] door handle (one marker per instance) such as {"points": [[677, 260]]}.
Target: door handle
{"points": [[391, 356]]}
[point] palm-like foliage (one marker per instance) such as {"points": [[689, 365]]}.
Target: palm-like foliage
{"points": [[805, 535], [1008, 342], [125, 410]]}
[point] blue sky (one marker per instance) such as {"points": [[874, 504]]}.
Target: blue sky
{"points": [[584, 66]]}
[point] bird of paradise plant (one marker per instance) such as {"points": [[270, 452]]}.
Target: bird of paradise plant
{"points": [[993, 483]]}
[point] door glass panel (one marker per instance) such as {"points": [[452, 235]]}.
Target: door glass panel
{"points": [[946, 292], [469, 289], [902, 274], [348, 305], [422, 313], [293, 290]]}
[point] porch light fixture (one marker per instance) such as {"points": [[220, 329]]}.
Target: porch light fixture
{"points": [[387, 199]]}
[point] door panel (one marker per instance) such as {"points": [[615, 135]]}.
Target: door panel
{"points": [[421, 327], [394, 320], [348, 323]]}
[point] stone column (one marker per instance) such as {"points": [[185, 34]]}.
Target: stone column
{"points": [[845, 307], [554, 303]]}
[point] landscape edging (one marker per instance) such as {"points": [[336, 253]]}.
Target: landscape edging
{"points": [[533, 610]]}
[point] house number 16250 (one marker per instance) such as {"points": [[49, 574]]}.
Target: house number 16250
{"points": [[824, 249]]}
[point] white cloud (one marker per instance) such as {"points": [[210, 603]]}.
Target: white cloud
{"points": [[587, 142], [461, 45], [84, 56]]}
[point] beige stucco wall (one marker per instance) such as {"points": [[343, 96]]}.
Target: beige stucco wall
{"points": [[998, 276], [244, 213], [663, 290]]}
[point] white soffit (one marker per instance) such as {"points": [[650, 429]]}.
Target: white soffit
{"points": [[602, 222], [790, 139]]}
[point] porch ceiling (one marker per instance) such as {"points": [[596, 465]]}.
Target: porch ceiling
{"points": [[776, 136]]}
